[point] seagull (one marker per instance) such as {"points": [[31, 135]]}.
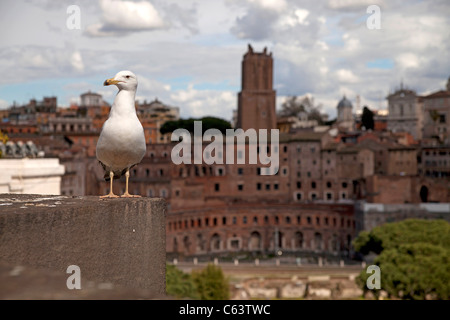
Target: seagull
{"points": [[121, 144]]}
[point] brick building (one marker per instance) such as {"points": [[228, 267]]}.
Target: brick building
{"points": [[437, 115], [435, 161]]}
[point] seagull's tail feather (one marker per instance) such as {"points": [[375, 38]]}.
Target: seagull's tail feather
{"points": [[117, 174]]}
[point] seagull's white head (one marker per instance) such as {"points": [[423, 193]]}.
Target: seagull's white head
{"points": [[124, 80]]}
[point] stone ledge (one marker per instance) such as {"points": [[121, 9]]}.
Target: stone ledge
{"points": [[118, 241]]}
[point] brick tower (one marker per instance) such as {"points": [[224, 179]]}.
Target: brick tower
{"points": [[256, 101]]}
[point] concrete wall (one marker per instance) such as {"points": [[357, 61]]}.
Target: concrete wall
{"points": [[120, 241], [30, 176]]}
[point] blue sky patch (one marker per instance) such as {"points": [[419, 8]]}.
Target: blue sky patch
{"points": [[380, 64]]}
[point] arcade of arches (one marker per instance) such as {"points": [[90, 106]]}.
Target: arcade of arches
{"points": [[265, 229]]}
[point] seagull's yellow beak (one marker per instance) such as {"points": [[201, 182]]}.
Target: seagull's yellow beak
{"points": [[111, 81]]}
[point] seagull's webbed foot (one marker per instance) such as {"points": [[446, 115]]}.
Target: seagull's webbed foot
{"points": [[127, 195], [109, 195]]}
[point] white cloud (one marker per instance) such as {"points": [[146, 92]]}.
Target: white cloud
{"points": [[119, 17], [130, 15], [351, 4], [200, 103], [294, 18], [407, 60], [4, 104], [77, 61], [346, 76], [34, 62], [277, 5]]}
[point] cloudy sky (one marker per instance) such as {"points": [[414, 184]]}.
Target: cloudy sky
{"points": [[188, 52]]}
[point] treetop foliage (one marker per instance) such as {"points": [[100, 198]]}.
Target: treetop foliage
{"points": [[413, 256], [188, 124]]}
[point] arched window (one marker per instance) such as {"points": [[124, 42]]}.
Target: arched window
{"points": [[278, 239], [215, 242], [334, 245], [423, 194], [318, 245], [200, 242], [298, 238], [255, 241], [175, 245], [349, 241], [186, 244]]}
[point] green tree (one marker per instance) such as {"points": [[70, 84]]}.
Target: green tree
{"points": [[4, 139], [294, 106], [414, 258], [188, 124], [180, 284], [367, 119], [212, 284]]}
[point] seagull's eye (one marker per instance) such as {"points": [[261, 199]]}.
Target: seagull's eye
{"points": [[128, 77]]}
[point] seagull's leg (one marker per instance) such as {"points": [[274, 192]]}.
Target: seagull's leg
{"points": [[111, 194], [126, 194]]}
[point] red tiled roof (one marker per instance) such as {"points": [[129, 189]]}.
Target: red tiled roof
{"points": [[438, 94]]}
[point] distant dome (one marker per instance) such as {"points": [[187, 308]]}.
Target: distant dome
{"points": [[344, 103]]}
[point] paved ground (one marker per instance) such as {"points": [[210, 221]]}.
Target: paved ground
{"points": [[249, 270]]}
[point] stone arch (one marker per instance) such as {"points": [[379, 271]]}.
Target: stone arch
{"points": [[200, 242], [334, 243], [255, 241], [278, 238], [186, 244], [318, 241], [216, 242], [349, 241], [424, 193], [298, 240]]}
